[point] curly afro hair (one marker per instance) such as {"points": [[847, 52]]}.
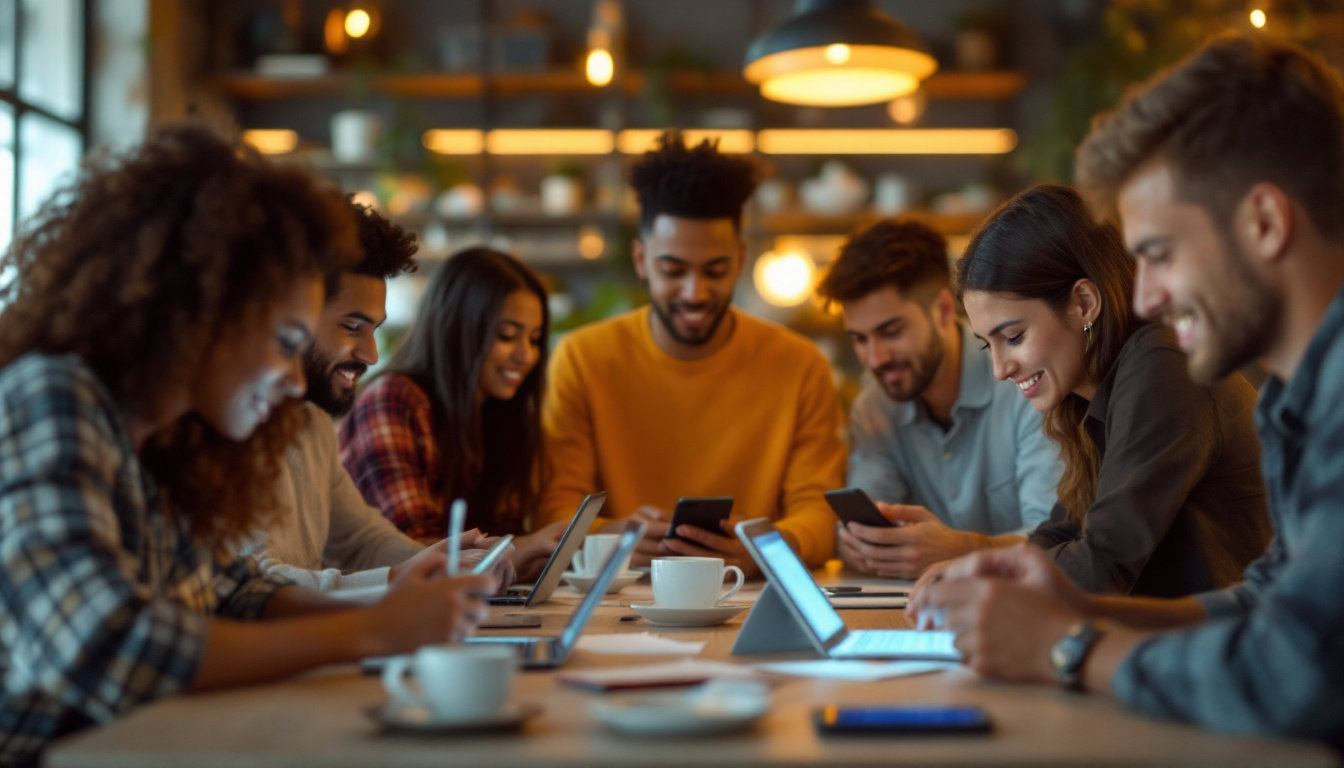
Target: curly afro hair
{"points": [[389, 250], [691, 182]]}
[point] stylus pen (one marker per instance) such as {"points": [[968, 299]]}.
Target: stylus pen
{"points": [[456, 517]]}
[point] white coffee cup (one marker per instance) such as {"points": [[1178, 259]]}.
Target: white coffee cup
{"points": [[597, 547], [691, 582], [456, 682]]}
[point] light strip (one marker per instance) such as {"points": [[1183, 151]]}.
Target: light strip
{"points": [[454, 141], [271, 141], [637, 141], [887, 141], [557, 141]]}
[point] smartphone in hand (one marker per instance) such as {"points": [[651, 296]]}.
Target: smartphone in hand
{"points": [[852, 505], [706, 512]]}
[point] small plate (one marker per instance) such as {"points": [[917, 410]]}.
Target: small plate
{"points": [[713, 708], [585, 583], [688, 617], [395, 717]]}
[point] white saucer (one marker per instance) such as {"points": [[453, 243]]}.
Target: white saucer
{"points": [[688, 617], [585, 583], [714, 708], [395, 717]]}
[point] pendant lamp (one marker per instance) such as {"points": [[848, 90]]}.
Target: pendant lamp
{"points": [[837, 53]]}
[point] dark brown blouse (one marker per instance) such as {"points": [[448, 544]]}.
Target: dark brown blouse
{"points": [[1180, 506]]}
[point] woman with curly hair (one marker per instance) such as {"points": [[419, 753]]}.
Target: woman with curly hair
{"points": [[457, 414], [155, 317]]}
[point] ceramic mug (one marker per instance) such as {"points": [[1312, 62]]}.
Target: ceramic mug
{"points": [[597, 547], [455, 682], [692, 582]]}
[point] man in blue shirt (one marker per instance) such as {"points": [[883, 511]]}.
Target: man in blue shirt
{"points": [[958, 457], [1227, 173]]}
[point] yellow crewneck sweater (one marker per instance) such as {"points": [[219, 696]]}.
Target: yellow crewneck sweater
{"points": [[758, 420]]}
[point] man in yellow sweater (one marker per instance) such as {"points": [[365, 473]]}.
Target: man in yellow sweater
{"points": [[689, 396]]}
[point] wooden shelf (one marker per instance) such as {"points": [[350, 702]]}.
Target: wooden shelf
{"points": [[428, 85], [808, 223]]}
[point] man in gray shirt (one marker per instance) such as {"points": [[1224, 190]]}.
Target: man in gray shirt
{"points": [[1227, 173], [955, 456]]}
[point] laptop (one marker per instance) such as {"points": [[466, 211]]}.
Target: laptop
{"points": [[826, 631], [544, 652], [560, 556]]}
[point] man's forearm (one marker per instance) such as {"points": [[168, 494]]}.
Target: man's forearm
{"points": [[242, 652], [1111, 650], [294, 600], [1146, 612]]}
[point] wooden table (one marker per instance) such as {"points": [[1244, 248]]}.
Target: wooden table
{"points": [[318, 720]]}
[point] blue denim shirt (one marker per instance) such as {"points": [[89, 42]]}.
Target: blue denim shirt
{"points": [[993, 470], [1271, 657]]}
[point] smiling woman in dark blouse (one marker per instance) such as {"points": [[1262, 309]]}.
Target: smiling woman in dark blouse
{"points": [[1162, 493]]}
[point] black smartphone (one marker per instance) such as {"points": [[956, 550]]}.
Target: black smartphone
{"points": [[900, 720], [852, 505], [705, 512]]}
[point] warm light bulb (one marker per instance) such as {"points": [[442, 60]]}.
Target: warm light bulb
{"points": [[784, 279], [1258, 18], [357, 23], [600, 67], [591, 242], [837, 54]]}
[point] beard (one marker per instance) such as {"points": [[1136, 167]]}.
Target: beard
{"points": [[1240, 318], [320, 371], [666, 316], [922, 370]]}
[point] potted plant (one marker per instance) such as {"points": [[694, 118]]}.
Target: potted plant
{"points": [[562, 189]]}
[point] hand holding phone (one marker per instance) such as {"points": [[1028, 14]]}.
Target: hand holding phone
{"points": [[707, 513], [852, 505], [493, 556]]}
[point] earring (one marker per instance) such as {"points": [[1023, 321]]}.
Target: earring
{"points": [[1087, 335]]}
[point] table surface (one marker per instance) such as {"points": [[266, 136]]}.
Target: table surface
{"points": [[319, 719]]}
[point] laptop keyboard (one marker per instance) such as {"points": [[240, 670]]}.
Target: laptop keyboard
{"points": [[894, 643]]}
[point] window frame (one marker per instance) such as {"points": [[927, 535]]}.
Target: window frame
{"points": [[10, 96]]}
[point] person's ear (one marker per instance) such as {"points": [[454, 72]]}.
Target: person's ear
{"points": [[637, 257], [1263, 221], [944, 308], [1086, 301]]}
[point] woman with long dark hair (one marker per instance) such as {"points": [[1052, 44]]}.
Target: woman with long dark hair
{"points": [[457, 413], [1161, 493], [155, 318]]}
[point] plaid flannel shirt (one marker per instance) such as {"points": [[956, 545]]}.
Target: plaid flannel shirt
{"points": [[388, 447], [105, 595]]}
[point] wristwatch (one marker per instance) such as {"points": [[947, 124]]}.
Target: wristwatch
{"points": [[1068, 655]]}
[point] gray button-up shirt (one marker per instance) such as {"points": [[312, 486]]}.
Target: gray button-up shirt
{"points": [[1271, 657], [993, 470]]}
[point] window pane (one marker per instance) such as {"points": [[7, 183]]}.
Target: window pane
{"points": [[49, 156], [7, 43], [51, 44], [6, 177]]}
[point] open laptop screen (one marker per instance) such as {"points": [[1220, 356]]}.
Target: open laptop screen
{"points": [[791, 576], [634, 529]]}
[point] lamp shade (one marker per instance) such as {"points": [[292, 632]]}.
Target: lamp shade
{"points": [[837, 53]]}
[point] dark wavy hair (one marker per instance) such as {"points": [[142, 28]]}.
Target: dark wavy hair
{"points": [[691, 182], [1037, 246], [172, 246], [388, 249], [900, 253], [492, 454]]}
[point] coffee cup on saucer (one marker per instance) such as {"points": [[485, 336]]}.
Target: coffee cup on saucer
{"points": [[597, 547], [692, 582], [687, 592], [457, 684]]}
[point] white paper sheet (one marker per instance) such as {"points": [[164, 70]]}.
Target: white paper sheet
{"points": [[638, 643], [854, 670]]}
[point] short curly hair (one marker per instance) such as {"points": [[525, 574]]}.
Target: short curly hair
{"points": [[388, 249], [900, 253], [691, 182], [172, 246]]}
